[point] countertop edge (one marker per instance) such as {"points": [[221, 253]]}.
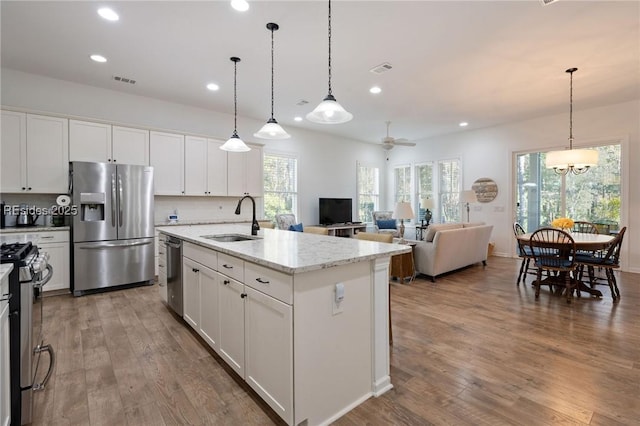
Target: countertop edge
{"points": [[25, 229]]}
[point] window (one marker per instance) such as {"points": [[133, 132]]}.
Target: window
{"points": [[402, 184], [368, 192], [424, 187], [542, 195], [280, 185], [449, 184]]}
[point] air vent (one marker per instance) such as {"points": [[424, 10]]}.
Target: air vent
{"points": [[546, 2], [124, 79], [302, 102], [379, 69]]}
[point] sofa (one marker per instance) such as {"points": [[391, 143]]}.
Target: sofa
{"points": [[450, 246]]}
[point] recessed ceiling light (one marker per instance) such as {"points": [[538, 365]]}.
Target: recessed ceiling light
{"points": [[213, 87], [98, 58], [108, 14], [297, 118], [463, 124], [240, 5], [375, 90]]}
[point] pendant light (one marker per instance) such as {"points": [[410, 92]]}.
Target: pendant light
{"points": [[272, 130], [576, 161], [329, 111], [235, 144]]}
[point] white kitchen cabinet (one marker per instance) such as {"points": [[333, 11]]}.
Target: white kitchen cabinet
{"points": [[245, 173], [5, 370], [130, 145], [161, 265], [104, 143], [166, 155], [57, 244], [191, 292], [209, 327], [268, 328], [205, 167], [231, 313], [35, 153]]}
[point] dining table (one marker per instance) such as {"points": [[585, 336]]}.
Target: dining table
{"points": [[585, 242]]}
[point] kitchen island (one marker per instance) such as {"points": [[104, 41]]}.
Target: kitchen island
{"points": [[302, 318]]}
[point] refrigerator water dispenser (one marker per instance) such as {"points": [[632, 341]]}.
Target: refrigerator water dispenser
{"points": [[92, 206]]}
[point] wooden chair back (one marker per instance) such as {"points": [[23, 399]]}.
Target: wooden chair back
{"points": [[585, 227], [553, 249]]}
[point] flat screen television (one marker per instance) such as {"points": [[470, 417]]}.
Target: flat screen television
{"points": [[335, 210]]}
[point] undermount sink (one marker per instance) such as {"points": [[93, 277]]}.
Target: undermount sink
{"points": [[228, 238]]}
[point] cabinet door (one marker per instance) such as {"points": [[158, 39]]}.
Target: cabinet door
{"points": [[89, 141], [217, 168], [47, 154], [209, 321], [269, 351], [231, 307], [253, 170], [130, 146], [59, 259], [13, 152], [236, 176], [167, 158], [191, 292], [195, 171]]}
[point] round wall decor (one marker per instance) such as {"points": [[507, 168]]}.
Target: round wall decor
{"points": [[486, 189]]}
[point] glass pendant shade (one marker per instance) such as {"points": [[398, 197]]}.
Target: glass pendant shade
{"points": [[576, 161], [272, 130], [235, 144], [329, 111]]}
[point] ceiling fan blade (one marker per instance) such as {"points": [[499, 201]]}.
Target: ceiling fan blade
{"points": [[401, 140], [404, 142]]}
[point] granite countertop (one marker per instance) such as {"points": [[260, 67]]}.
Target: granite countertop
{"points": [[287, 251], [37, 228], [5, 269]]}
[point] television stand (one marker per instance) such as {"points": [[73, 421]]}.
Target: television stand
{"points": [[346, 230]]}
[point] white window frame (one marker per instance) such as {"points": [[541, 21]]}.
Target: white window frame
{"points": [[453, 194], [431, 192], [375, 195], [294, 193]]}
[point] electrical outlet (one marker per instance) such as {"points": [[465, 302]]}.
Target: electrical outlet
{"points": [[337, 301]]}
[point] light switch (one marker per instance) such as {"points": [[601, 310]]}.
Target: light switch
{"points": [[338, 299]]}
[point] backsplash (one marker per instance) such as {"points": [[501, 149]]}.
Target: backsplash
{"points": [[203, 209], [37, 200]]}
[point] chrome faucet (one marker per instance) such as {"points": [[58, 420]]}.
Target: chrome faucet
{"points": [[255, 227]]}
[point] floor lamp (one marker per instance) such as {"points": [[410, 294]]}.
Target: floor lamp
{"points": [[468, 196], [403, 211]]}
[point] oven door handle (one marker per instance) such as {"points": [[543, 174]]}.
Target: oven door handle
{"points": [[41, 282]]}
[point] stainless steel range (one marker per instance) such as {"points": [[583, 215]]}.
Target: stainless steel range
{"points": [[31, 272]]}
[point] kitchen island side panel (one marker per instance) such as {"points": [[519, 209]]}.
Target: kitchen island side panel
{"points": [[332, 347]]}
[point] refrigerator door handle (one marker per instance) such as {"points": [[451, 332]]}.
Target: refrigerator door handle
{"points": [[120, 212], [113, 199], [115, 245]]}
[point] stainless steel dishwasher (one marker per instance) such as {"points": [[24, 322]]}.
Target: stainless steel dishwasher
{"points": [[174, 274]]}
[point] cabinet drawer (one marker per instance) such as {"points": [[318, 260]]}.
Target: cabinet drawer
{"points": [[37, 237], [204, 256], [273, 283], [231, 266]]}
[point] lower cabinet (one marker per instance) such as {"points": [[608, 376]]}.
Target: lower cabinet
{"points": [[231, 309]]}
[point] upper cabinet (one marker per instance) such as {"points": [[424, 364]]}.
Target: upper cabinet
{"points": [[34, 153], [205, 167], [104, 143], [167, 159], [245, 172]]}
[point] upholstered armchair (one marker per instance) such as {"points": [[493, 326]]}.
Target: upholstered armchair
{"points": [[384, 223], [285, 220]]}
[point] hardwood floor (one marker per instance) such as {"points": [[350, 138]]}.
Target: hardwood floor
{"points": [[471, 348]]}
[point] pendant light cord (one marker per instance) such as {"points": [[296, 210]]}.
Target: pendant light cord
{"points": [[571, 71], [329, 47], [272, 29], [235, 98]]}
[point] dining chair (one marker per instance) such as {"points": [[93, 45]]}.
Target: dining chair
{"points": [[609, 261], [585, 227], [524, 252], [285, 220], [554, 251], [381, 238]]}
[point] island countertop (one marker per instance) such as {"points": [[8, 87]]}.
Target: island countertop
{"points": [[287, 251]]}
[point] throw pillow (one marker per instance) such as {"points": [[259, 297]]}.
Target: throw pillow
{"points": [[297, 228], [386, 224]]}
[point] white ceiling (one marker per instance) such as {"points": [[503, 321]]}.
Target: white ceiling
{"points": [[478, 61]]}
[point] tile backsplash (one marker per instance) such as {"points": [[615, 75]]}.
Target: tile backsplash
{"points": [[203, 209], [36, 200]]}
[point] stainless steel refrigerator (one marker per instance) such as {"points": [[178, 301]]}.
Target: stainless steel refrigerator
{"points": [[113, 232]]}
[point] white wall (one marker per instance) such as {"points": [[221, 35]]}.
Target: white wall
{"points": [[326, 164], [488, 153]]}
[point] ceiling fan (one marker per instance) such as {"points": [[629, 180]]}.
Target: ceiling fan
{"points": [[389, 142]]}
